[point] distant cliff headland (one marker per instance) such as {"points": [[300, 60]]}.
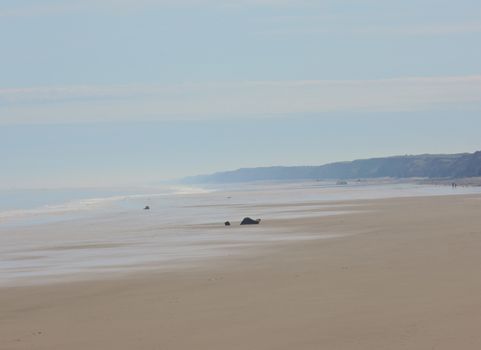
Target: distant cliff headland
{"points": [[432, 166]]}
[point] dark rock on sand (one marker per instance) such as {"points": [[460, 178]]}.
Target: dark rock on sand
{"points": [[249, 221]]}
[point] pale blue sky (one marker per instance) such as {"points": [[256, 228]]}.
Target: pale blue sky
{"points": [[141, 90]]}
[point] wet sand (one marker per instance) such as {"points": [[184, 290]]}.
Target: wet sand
{"points": [[403, 274]]}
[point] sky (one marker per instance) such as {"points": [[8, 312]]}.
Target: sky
{"points": [[112, 92]]}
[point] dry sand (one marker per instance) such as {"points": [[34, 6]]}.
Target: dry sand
{"points": [[407, 276]]}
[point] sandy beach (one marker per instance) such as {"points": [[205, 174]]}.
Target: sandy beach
{"points": [[403, 273]]}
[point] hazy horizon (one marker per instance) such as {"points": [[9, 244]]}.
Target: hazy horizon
{"points": [[98, 93]]}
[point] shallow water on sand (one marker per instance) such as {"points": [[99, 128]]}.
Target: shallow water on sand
{"points": [[110, 234]]}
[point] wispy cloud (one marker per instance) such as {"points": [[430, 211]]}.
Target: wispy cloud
{"points": [[327, 19], [291, 26], [74, 104]]}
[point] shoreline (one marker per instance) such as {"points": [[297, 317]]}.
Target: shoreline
{"points": [[200, 244]]}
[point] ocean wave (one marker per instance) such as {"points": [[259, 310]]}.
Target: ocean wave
{"points": [[186, 190], [92, 204]]}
